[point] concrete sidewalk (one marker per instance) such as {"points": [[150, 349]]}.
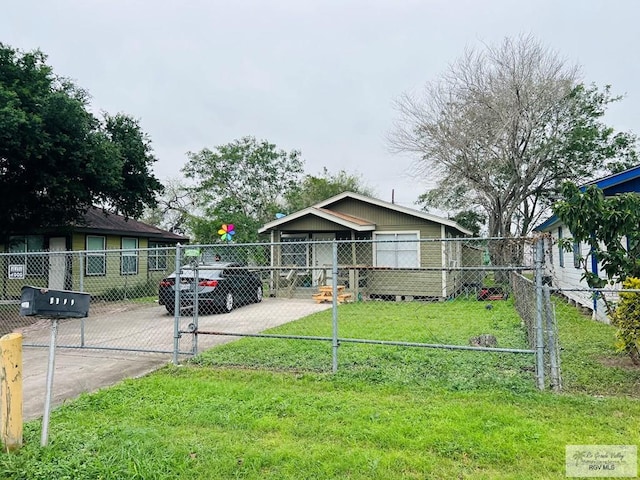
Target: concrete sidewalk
{"points": [[79, 371], [86, 370]]}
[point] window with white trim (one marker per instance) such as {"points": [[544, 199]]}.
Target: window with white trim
{"points": [[22, 246], [396, 249], [157, 256], [294, 251], [129, 259], [96, 255]]}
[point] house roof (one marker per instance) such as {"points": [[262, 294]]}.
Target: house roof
{"points": [[623, 182], [347, 221], [323, 210], [626, 181], [99, 221]]}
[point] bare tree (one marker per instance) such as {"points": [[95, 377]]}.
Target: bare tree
{"points": [[174, 208], [503, 128]]}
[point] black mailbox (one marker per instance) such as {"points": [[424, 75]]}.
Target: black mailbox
{"points": [[53, 303]]}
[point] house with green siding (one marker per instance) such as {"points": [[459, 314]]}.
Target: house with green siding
{"points": [[102, 253], [384, 250]]}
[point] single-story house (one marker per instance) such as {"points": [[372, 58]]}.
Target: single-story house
{"points": [[563, 267], [384, 249], [114, 250]]}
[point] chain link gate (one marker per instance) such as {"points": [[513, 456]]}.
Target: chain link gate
{"points": [[348, 277], [477, 277]]}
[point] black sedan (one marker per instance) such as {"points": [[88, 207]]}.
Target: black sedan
{"points": [[219, 286]]}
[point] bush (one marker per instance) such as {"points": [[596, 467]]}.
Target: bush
{"points": [[626, 319]]}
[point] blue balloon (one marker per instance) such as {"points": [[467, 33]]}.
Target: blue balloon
{"points": [[280, 215]]}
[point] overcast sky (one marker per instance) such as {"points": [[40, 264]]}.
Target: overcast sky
{"points": [[317, 76]]}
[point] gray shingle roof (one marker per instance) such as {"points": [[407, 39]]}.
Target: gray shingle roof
{"points": [[98, 221]]}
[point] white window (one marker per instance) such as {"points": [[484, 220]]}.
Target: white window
{"points": [[396, 249], [129, 261], [158, 256], [96, 256], [23, 250]]}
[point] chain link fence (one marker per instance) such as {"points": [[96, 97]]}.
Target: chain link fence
{"points": [[466, 296]]}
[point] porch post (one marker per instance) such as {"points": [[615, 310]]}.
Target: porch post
{"points": [[276, 261]]}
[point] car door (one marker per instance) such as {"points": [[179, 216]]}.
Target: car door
{"points": [[244, 285], [231, 282]]}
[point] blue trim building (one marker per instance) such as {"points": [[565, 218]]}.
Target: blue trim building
{"points": [[566, 274]]}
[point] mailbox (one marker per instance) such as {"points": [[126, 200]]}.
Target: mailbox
{"points": [[44, 302]]}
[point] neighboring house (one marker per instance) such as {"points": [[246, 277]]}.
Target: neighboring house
{"points": [[114, 249], [382, 248], [564, 267]]}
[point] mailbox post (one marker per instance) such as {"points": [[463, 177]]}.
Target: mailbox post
{"points": [[52, 304]]}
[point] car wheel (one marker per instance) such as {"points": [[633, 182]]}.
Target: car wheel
{"points": [[170, 309], [258, 297], [228, 303]]}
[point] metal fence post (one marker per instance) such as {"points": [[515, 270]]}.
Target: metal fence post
{"points": [[554, 356], [176, 308], [334, 293], [44, 438], [196, 311], [81, 264], [539, 312]]}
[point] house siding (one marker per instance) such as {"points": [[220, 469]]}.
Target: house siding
{"points": [[385, 219], [389, 221], [12, 288], [113, 278], [402, 282], [431, 279], [311, 223], [567, 278]]}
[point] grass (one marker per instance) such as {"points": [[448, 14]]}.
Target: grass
{"points": [[432, 323], [388, 413]]}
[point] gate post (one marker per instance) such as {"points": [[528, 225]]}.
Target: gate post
{"points": [[11, 391], [539, 314], [334, 307], [176, 309]]}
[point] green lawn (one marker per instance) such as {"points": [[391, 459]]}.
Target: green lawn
{"points": [[272, 409]]}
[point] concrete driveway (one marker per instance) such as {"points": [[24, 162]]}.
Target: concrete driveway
{"points": [[112, 332]]}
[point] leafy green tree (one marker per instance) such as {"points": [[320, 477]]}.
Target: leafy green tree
{"points": [[56, 158], [609, 225], [503, 128], [314, 189], [471, 220], [243, 182], [132, 185]]}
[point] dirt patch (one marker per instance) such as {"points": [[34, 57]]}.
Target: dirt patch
{"points": [[623, 361]]}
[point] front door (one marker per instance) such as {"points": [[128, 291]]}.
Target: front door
{"points": [[322, 255], [57, 263]]}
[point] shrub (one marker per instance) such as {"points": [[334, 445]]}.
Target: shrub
{"points": [[626, 319]]}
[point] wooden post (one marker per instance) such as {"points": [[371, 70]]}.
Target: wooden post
{"points": [[11, 391]]}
